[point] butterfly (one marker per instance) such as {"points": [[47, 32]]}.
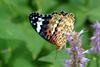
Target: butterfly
{"points": [[53, 27]]}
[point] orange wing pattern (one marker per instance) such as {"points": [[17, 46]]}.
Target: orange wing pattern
{"points": [[59, 25]]}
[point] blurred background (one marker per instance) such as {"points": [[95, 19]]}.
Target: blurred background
{"points": [[21, 46]]}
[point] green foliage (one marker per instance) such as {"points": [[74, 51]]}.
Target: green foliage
{"points": [[21, 46]]}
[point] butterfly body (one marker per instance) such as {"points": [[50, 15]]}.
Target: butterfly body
{"points": [[53, 28]]}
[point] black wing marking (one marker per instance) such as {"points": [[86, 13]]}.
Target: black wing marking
{"points": [[40, 23]]}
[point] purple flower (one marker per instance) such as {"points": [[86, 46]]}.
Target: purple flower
{"points": [[67, 63], [95, 39], [76, 51]]}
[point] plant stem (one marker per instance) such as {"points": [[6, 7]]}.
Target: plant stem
{"points": [[97, 60]]}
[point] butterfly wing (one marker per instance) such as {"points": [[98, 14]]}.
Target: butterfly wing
{"points": [[53, 28], [60, 24], [40, 23]]}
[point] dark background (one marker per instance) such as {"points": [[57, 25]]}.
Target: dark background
{"points": [[21, 46]]}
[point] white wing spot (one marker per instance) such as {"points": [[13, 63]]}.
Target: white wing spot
{"points": [[39, 23], [34, 23], [33, 18], [54, 26], [40, 19]]}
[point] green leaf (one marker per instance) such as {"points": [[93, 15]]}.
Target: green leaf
{"points": [[55, 57], [9, 29], [6, 49], [80, 2], [46, 5], [22, 52], [93, 4], [86, 40], [94, 15], [94, 10], [20, 62], [79, 20]]}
